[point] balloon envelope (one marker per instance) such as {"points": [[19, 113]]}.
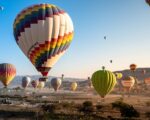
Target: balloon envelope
{"points": [[74, 86], [133, 67], [7, 73], [56, 83], [26, 81], [128, 82], [34, 83], [103, 82], [44, 33], [41, 85]]}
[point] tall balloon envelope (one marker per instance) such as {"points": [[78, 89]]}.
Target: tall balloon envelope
{"points": [[44, 33], [103, 82], [56, 83], [7, 73], [26, 81]]}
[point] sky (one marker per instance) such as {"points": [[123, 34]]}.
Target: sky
{"points": [[125, 23]]}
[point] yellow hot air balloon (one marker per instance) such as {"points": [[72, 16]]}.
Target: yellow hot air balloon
{"points": [[118, 75], [41, 85], [7, 73], [44, 33], [74, 86]]}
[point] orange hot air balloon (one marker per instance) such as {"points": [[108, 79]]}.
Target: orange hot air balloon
{"points": [[7, 73], [133, 67], [147, 81]]}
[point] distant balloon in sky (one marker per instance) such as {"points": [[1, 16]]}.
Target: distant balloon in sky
{"points": [[1, 8], [103, 82], [44, 33], [105, 37], [7, 73], [111, 61], [148, 2], [56, 83], [133, 67], [26, 81]]}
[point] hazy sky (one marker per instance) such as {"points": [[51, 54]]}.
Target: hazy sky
{"points": [[126, 23]]}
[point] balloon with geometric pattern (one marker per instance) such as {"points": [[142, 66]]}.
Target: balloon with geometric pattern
{"points": [[43, 32], [7, 73]]}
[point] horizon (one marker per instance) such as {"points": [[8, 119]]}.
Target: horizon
{"points": [[124, 23]]}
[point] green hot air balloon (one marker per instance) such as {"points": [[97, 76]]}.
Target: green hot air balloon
{"points": [[103, 82]]}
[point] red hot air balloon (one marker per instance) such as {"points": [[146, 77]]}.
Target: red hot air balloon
{"points": [[7, 73]]}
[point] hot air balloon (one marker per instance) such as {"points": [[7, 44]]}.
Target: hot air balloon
{"points": [[74, 86], [7, 73], [133, 67], [105, 37], [118, 75], [128, 82], [56, 83], [147, 81], [44, 33], [26, 81], [1, 8], [41, 85], [34, 83], [103, 82], [111, 61], [148, 2]]}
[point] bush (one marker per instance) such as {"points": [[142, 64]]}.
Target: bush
{"points": [[67, 105], [126, 110], [87, 107], [147, 114], [49, 108], [98, 107], [148, 103]]}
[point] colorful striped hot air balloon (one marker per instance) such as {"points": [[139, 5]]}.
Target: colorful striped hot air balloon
{"points": [[44, 33], [74, 86], [7, 73], [56, 83], [128, 82], [34, 83], [26, 81], [103, 82]]}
